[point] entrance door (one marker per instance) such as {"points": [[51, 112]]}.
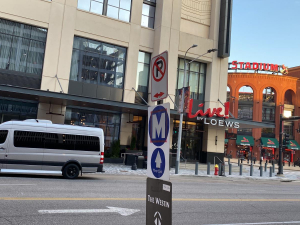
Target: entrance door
{"points": [[191, 148]]}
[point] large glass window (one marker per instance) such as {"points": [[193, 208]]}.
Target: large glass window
{"points": [[269, 99], [98, 63], [143, 70], [195, 78], [148, 13], [109, 122], [22, 47], [118, 9]]}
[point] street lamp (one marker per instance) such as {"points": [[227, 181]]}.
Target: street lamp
{"points": [[182, 103]]}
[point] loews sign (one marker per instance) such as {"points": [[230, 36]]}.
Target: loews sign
{"points": [[235, 65], [213, 116]]}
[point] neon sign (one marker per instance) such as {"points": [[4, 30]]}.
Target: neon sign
{"points": [[210, 113]]}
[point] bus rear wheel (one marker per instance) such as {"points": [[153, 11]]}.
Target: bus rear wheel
{"points": [[71, 171]]}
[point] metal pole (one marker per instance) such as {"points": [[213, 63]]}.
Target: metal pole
{"points": [[208, 168], [270, 171], [241, 169], [230, 168], [196, 168], [181, 118], [251, 170], [280, 168], [261, 171]]}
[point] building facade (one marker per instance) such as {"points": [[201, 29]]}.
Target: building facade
{"points": [[261, 95], [78, 62]]}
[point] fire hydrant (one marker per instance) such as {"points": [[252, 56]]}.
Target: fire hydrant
{"points": [[216, 170]]}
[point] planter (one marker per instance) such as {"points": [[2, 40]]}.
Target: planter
{"points": [[113, 160]]}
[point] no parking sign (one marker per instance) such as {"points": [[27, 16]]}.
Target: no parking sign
{"points": [[158, 142]]}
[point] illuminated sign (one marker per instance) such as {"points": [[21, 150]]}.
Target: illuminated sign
{"points": [[208, 118], [235, 65]]}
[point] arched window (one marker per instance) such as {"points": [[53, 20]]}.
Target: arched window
{"points": [[269, 95], [288, 97], [228, 94], [268, 106], [245, 109]]}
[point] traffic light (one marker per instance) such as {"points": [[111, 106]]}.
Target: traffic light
{"points": [[286, 139]]}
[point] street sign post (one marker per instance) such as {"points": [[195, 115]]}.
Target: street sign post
{"points": [[159, 77], [158, 142], [159, 202]]}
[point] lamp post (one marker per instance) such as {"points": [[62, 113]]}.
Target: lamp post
{"points": [[182, 103]]}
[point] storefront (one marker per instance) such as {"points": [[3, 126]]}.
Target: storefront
{"points": [[288, 154], [191, 141], [244, 145], [268, 147]]}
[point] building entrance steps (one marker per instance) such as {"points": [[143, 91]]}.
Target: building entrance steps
{"points": [[286, 167]]}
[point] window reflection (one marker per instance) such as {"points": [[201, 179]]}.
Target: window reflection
{"points": [[195, 78], [118, 9], [22, 47], [97, 63], [148, 13], [109, 122]]}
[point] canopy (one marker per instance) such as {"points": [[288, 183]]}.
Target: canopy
{"points": [[269, 142], [293, 145], [244, 140]]}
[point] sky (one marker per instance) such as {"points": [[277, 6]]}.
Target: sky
{"points": [[266, 31]]}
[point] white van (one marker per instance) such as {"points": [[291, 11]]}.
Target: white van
{"points": [[38, 146]]}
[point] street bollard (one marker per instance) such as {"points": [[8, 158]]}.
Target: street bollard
{"points": [[294, 165], [241, 169], [283, 163], [242, 160], [248, 161], [266, 165], [272, 162], [196, 168], [273, 168], [254, 161], [230, 168], [228, 161], [220, 169], [261, 170], [270, 171], [238, 162], [289, 164], [251, 170], [208, 168]]}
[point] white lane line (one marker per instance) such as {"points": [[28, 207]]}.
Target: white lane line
{"points": [[287, 222], [121, 211]]}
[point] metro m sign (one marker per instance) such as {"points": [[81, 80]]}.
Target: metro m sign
{"points": [[158, 141]]}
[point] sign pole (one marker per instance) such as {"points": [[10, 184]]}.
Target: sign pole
{"points": [[280, 168], [180, 123]]}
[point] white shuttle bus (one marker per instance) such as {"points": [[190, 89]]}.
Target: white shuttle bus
{"points": [[38, 146]]}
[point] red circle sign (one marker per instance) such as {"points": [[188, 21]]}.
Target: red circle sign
{"points": [[158, 68]]}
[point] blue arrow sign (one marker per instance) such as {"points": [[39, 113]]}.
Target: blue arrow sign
{"points": [[159, 124], [158, 162]]}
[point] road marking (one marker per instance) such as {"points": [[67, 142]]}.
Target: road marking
{"points": [[287, 222], [144, 199], [121, 211], [17, 184]]}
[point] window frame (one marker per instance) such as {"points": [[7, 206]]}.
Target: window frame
{"points": [[13, 36], [147, 2], [188, 77], [150, 54], [105, 8]]}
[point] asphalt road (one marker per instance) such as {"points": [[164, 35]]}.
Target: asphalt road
{"points": [[196, 200]]}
